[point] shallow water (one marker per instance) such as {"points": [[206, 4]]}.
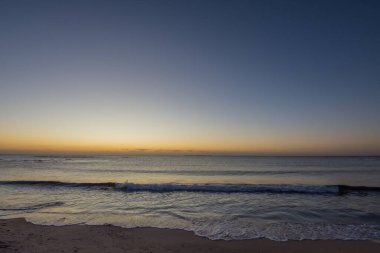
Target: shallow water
{"points": [[279, 198]]}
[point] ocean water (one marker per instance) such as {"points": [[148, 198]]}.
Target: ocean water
{"points": [[219, 197]]}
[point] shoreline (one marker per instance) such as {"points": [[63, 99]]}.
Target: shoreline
{"points": [[18, 235]]}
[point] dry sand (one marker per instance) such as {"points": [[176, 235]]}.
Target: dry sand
{"points": [[17, 235]]}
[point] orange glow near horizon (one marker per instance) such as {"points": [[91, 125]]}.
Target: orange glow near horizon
{"points": [[177, 146]]}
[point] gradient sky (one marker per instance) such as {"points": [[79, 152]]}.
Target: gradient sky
{"points": [[246, 77]]}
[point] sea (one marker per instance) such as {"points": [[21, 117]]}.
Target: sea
{"points": [[218, 197]]}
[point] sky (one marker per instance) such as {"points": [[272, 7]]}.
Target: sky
{"points": [[236, 77]]}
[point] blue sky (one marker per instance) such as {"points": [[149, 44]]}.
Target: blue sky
{"points": [[297, 77]]}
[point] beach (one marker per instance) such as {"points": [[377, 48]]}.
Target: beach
{"points": [[17, 235], [189, 126]]}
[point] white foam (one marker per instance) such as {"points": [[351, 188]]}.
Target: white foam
{"points": [[217, 229]]}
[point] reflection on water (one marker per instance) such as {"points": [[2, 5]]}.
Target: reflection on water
{"points": [[311, 211], [195, 169]]}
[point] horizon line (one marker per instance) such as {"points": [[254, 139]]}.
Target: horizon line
{"points": [[180, 153]]}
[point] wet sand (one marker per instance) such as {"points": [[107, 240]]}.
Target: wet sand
{"points": [[17, 235]]}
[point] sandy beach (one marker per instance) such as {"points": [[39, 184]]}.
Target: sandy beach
{"points": [[17, 235]]}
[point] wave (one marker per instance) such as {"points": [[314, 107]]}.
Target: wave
{"points": [[57, 183], [213, 188], [34, 207], [289, 231], [231, 172], [228, 188], [227, 229]]}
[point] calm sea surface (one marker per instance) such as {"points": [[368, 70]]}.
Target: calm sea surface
{"points": [[220, 197]]}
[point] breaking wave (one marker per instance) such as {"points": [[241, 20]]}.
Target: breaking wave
{"points": [[213, 188]]}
